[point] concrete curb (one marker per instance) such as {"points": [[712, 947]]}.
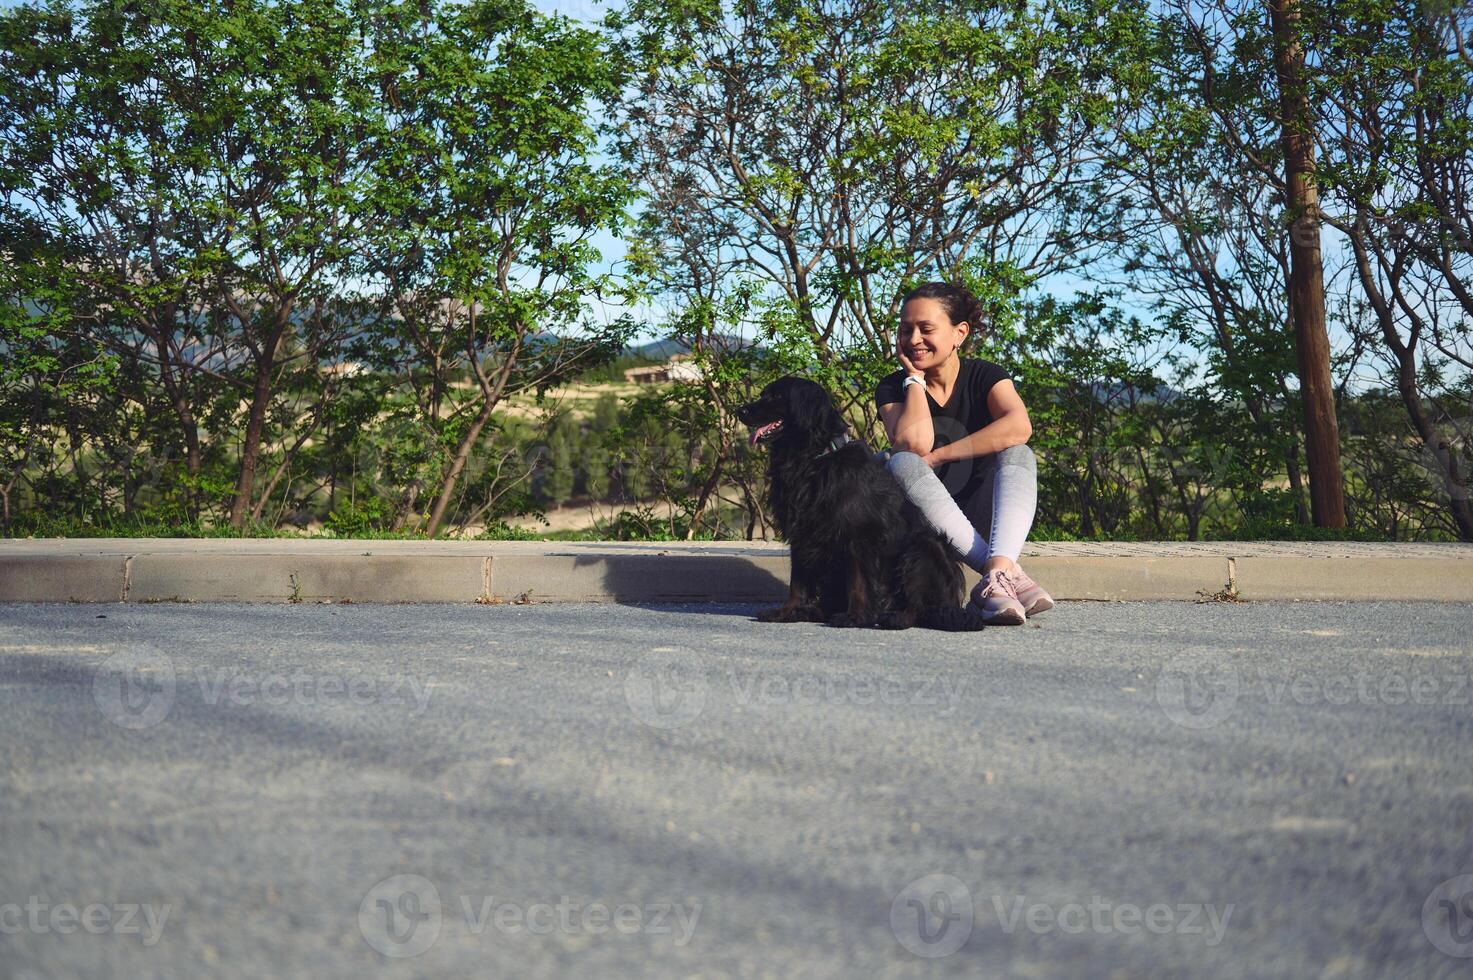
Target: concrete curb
{"points": [[288, 570]]}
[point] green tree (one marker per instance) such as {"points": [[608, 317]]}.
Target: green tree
{"points": [[46, 371], [201, 164], [490, 191], [1398, 83], [561, 474], [816, 157], [1199, 240], [597, 462]]}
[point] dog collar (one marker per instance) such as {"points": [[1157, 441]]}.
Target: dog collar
{"points": [[835, 444]]}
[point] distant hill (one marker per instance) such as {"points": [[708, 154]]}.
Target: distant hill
{"points": [[661, 350], [1117, 392], [657, 350]]}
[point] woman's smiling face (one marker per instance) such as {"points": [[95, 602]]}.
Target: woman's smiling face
{"points": [[927, 335]]}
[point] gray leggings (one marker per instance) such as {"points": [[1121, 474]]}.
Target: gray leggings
{"points": [[1004, 502]]}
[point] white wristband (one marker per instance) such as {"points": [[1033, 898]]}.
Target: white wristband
{"points": [[912, 379]]}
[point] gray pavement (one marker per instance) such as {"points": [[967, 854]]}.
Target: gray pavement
{"points": [[1115, 790]]}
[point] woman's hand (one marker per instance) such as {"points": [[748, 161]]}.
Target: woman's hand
{"points": [[932, 458], [905, 362]]}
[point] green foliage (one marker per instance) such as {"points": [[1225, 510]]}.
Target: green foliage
{"points": [[559, 476], [299, 262], [352, 519], [502, 531], [259, 254], [35, 524]]}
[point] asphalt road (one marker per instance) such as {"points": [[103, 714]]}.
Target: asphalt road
{"points": [[1115, 790]]}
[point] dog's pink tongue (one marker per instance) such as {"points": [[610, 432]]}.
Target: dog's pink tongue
{"points": [[752, 439]]}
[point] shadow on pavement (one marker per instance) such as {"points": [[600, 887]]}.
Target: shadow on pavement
{"points": [[725, 585]]}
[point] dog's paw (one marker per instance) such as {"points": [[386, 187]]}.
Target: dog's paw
{"points": [[847, 620], [791, 614], [893, 620]]}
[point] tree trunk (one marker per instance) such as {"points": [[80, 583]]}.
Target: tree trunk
{"points": [[256, 422], [406, 506], [250, 448], [1148, 490], [1086, 515], [705, 495], [163, 330], [1306, 272], [1444, 455], [457, 466], [328, 393], [1296, 479], [180, 401]]}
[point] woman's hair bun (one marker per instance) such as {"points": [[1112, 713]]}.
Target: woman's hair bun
{"points": [[958, 301]]}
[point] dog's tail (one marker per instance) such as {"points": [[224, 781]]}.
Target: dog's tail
{"points": [[952, 619]]}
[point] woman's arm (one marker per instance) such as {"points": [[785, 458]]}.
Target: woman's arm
{"points": [[908, 422], [1010, 426]]}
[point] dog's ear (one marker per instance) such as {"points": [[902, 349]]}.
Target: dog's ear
{"points": [[812, 404]]}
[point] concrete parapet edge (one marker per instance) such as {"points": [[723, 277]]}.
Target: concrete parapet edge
{"points": [[494, 572]]}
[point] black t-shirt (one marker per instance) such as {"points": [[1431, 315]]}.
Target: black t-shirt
{"points": [[964, 413]]}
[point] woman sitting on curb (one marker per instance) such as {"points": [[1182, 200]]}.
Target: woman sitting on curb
{"points": [[959, 432]]}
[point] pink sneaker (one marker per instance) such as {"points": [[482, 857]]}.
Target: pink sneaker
{"points": [[995, 599], [1034, 599]]}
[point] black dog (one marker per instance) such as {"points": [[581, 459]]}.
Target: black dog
{"points": [[861, 553]]}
